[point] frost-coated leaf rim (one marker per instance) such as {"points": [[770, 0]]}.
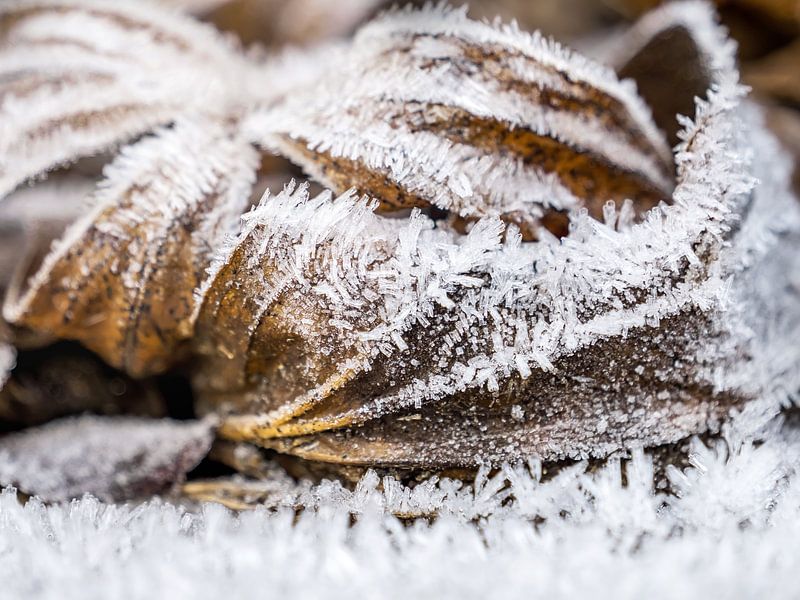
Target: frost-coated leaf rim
{"points": [[671, 231]]}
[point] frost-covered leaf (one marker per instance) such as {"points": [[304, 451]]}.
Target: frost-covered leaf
{"points": [[479, 120], [328, 330], [573, 410], [403, 344], [79, 77], [262, 337], [122, 280], [112, 458]]}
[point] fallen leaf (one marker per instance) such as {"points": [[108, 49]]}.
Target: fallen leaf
{"points": [[122, 279], [78, 78], [436, 110], [113, 458]]}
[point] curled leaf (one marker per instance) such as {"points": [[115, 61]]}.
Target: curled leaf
{"points": [[77, 78], [402, 344], [437, 110], [367, 331], [112, 458], [122, 280]]}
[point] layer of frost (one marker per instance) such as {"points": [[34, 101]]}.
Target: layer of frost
{"points": [[730, 531]]}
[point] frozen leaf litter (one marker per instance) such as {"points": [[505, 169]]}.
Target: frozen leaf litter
{"points": [[511, 260], [130, 458]]}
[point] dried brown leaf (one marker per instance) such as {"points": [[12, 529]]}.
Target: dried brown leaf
{"points": [[332, 333], [537, 416], [297, 385], [539, 132], [77, 78], [289, 355], [123, 278]]}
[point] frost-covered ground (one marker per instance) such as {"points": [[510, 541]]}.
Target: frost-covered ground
{"points": [[732, 531]]}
